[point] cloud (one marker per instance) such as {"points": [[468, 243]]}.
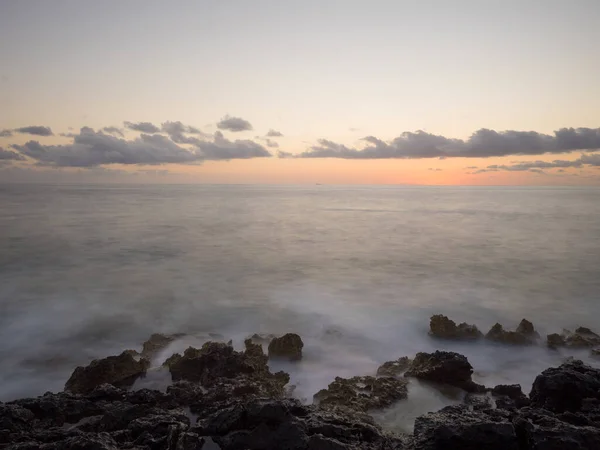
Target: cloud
{"points": [[6, 133], [234, 124], [274, 133], [114, 131], [540, 171], [177, 132], [284, 155], [482, 144], [144, 127], [271, 143], [223, 149], [471, 167], [8, 155], [589, 159], [435, 170], [35, 130], [94, 148]]}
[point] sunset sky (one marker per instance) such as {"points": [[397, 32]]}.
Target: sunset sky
{"points": [[467, 92]]}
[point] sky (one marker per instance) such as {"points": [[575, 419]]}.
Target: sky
{"points": [[430, 92]]}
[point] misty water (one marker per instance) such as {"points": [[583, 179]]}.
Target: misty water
{"points": [[88, 271]]}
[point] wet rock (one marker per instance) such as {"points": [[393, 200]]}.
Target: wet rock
{"points": [[262, 338], [120, 371], [581, 338], [15, 418], [498, 334], [510, 396], [565, 388], [526, 328], [478, 402], [442, 327], [444, 368], [555, 340], [394, 368], [595, 352], [538, 429], [286, 424], [362, 393], [457, 427], [156, 343], [289, 346]]}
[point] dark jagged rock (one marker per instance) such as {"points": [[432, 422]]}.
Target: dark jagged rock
{"points": [[120, 371], [540, 430], [510, 396], [442, 327], [362, 393], [394, 368], [459, 428], [286, 424], [444, 368], [156, 343], [555, 340], [566, 387], [289, 346], [524, 335], [262, 338], [595, 352], [478, 402], [581, 338]]}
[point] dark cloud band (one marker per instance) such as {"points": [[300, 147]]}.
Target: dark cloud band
{"points": [[234, 124]]}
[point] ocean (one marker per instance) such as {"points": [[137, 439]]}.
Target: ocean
{"points": [[88, 271]]}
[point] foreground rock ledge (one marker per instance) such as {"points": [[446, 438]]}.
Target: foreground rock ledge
{"points": [[234, 401]]}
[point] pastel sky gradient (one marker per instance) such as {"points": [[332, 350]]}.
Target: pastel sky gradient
{"points": [[312, 70]]}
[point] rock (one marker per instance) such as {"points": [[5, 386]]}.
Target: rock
{"points": [[394, 368], [262, 338], [526, 328], [289, 346], [498, 334], [442, 327], [555, 340], [445, 368], [156, 343], [458, 428], [510, 396], [537, 429], [478, 402], [581, 338], [595, 352], [566, 387], [286, 424], [362, 393], [120, 371]]}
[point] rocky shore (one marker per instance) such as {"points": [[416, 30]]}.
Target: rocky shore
{"points": [[228, 399]]}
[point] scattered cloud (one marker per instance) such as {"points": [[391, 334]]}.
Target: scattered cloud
{"points": [[353, 129], [284, 155], [143, 127], [234, 124], [435, 170], [274, 133], [223, 149], [9, 155], [35, 130], [471, 167], [6, 133], [271, 143], [114, 131], [540, 171], [586, 159], [482, 144], [94, 148], [177, 132]]}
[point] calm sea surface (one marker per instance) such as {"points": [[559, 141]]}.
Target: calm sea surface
{"points": [[87, 271]]}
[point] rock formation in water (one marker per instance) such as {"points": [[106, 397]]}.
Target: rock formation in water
{"points": [[394, 368], [442, 327], [525, 334], [231, 399], [289, 346], [581, 338]]}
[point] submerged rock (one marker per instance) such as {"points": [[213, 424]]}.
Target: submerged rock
{"points": [[524, 335], [442, 327], [444, 368], [289, 346], [394, 368], [362, 393], [120, 371], [566, 388]]}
